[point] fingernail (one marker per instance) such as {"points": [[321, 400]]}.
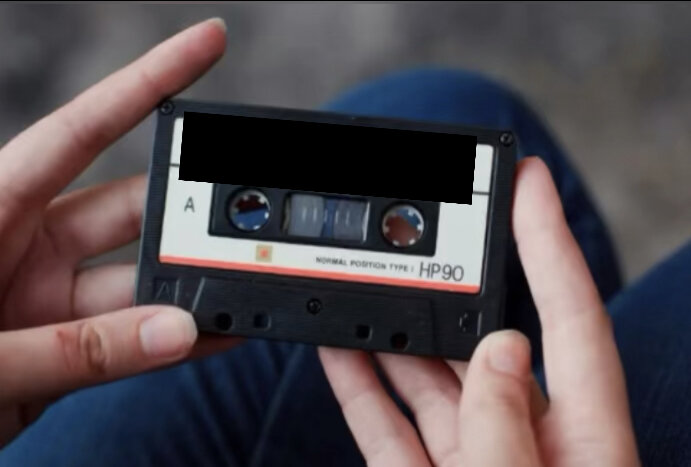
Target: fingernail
{"points": [[167, 334], [509, 354], [220, 22]]}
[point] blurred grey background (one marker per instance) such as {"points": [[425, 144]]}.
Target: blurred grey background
{"points": [[613, 80]]}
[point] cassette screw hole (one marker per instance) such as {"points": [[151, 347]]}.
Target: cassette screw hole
{"points": [[403, 226], [223, 321], [262, 321], [167, 108], [249, 210], [314, 306], [506, 139], [363, 331], [399, 341]]}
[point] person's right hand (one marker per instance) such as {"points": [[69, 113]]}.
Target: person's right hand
{"points": [[59, 328], [491, 413]]}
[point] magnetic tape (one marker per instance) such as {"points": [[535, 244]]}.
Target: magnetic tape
{"points": [[326, 228]]}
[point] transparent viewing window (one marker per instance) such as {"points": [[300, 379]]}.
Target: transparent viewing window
{"points": [[315, 216]]}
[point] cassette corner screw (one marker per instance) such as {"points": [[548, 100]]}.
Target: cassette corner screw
{"points": [[167, 108], [506, 139], [314, 306]]}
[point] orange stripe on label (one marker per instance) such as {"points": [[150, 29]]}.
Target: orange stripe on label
{"points": [[208, 263]]}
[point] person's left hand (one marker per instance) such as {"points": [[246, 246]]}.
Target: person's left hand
{"points": [[58, 327]]}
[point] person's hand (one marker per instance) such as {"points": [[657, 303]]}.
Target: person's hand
{"points": [[58, 326], [491, 411]]}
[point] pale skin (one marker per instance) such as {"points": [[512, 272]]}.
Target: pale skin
{"points": [[63, 326], [491, 412]]}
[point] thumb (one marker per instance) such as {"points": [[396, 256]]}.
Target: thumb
{"points": [[50, 360], [495, 418]]}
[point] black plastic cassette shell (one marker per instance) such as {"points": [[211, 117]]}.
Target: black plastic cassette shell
{"points": [[435, 322]]}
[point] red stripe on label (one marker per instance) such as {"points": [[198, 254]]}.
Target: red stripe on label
{"points": [[207, 263]]}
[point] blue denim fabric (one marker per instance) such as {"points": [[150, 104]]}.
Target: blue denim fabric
{"points": [[268, 403]]}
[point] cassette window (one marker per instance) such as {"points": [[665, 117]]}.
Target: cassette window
{"points": [[326, 219], [316, 216]]}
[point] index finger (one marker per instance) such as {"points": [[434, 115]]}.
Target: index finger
{"points": [[38, 163], [584, 375], [383, 434]]}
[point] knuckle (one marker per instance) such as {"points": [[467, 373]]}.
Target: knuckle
{"points": [[81, 135], [592, 451], [84, 349], [435, 399], [381, 449], [450, 458], [507, 401], [148, 82], [92, 349], [135, 202]]}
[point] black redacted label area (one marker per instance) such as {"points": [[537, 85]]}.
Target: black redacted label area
{"points": [[328, 157]]}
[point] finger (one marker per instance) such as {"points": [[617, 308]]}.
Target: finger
{"points": [[582, 366], [383, 434], [432, 391], [208, 344], [460, 368], [495, 426], [102, 289], [47, 361], [95, 220], [41, 161], [538, 404]]}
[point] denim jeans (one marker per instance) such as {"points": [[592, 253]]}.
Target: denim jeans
{"points": [[269, 404]]}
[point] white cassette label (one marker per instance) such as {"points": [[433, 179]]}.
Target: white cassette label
{"points": [[457, 263]]}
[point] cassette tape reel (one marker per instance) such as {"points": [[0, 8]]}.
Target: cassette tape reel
{"points": [[328, 229]]}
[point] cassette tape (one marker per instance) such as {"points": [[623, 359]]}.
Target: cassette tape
{"points": [[324, 228]]}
